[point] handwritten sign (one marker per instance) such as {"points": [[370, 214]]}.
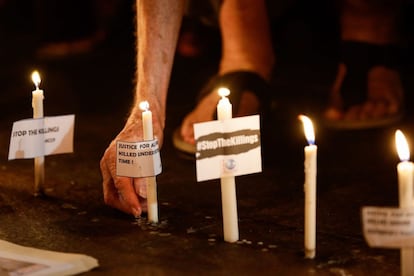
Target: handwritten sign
{"points": [[388, 227], [138, 159], [228, 148], [32, 138]]}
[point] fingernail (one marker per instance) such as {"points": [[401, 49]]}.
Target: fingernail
{"points": [[136, 212], [143, 190]]}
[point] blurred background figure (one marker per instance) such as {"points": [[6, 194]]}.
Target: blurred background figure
{"points": [[367, 91], [74, 27]]}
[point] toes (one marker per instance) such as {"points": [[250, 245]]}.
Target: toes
{"points": [[384, 97], [369, 110], [378, 109], [353, 113], [333, 114], [187, 131]]}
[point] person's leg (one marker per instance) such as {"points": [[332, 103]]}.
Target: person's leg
{"points": [[369, 36], [246, 46]]}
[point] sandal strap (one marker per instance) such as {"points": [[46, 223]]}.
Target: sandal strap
{"points": [[238, 82], [366, 55], [359, 58]]}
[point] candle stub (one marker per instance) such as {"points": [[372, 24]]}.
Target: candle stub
{"points": [[37, 96], [147, 130], [37, 105]]}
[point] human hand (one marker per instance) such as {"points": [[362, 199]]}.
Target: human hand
{"points": [[126, 194]]}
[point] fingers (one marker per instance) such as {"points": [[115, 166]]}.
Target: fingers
{"points": [[119, 191], [127, 199], [126, 193], [140, 186]]}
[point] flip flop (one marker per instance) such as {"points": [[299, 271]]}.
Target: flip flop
{"points": [[359, 59], [237, 82]]}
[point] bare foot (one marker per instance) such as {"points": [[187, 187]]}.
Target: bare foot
{"points": [[206, 108], [383, 104]]}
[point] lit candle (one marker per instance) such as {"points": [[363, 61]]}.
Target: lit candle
{"points": [[310, 188], [147, 133], [37, 105], [405, 171], [224, 106], [228, 184]]}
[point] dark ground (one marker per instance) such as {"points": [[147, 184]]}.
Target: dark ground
{"points": [[355, 168]]}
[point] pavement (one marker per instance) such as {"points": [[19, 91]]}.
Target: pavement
{"points": [[355, 169]]}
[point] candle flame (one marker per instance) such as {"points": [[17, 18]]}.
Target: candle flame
{"points": [[144, 106], [223, 92], [308, 128], [36, 79], [402, 146]]}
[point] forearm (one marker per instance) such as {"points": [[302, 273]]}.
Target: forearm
{"points": [[158, 24]]}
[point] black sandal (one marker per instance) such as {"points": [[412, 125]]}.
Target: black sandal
{"points": [[359, 58], [237, 82]]}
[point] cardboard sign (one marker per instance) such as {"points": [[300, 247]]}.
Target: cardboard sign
{"points": [[138, 159], [388, 227], [228, 148], [32, 138]]}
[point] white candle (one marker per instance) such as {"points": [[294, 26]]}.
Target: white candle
{"points": [[405, 171], [224, 111], [228, 184], [147, 133], [310, 188], [37, 105]]}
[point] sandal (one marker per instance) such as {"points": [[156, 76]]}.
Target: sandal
{"points": [[237, 82], [365, 72]]}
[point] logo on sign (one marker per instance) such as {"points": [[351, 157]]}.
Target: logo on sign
{"points": [[227, 143]]}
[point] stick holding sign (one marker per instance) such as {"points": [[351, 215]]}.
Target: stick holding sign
{"points": [[226, 148], [148, 134], [405, 171], [228, 183], [37, 105]]}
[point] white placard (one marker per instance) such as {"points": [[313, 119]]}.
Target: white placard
{"points": [[228, 148], [138, 159], [32, 138], [388, 227], [21, 260]]}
